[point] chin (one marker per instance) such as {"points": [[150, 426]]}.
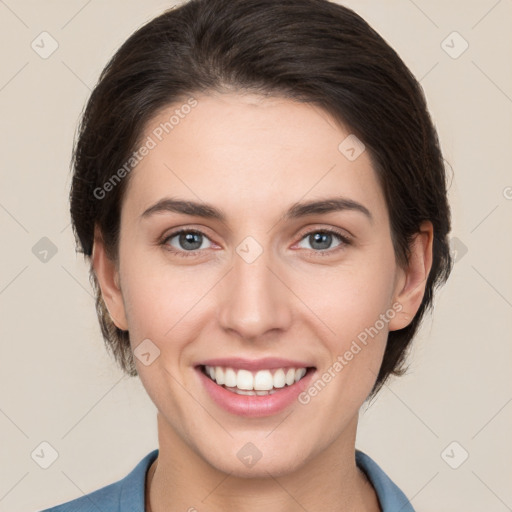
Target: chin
{"points": [[250, 462]]}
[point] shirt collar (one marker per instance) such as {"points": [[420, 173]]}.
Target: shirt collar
{"points": [[391, 498]]}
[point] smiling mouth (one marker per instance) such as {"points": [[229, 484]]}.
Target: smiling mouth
{"points": [[255, 383]]}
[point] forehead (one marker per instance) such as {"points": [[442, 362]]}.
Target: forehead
{"points": [[249, 154]]}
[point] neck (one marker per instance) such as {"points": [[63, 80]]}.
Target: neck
{"points": [[179, 479]]}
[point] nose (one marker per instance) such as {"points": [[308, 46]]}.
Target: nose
{"points": [[254, 298]]}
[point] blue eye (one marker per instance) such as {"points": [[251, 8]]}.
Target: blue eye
{"points": [[190, 242], [321, 240]]}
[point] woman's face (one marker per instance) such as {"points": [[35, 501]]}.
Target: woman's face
{"points": [[257, 281]]}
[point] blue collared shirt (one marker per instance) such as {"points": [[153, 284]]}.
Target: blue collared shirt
{"points": [[128, 494]]}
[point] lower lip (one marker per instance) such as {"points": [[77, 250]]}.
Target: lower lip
{"points": [[255, 406]]}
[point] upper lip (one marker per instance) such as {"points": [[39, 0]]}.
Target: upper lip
{"points": [[266, 363]]}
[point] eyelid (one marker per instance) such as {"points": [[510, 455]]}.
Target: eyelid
{"points": [[342, 233], [345, 237], [173, 233], [345, 240]]}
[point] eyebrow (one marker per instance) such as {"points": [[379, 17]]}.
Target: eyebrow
{"points": [[297, 210]]}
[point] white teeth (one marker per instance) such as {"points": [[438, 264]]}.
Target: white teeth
{"points": [[230, 378], [290, 376], [263, 381], [260, 383], [279, 379], [244, 392], [251, 393], [219, 375], [299, 374], [244, 380]]}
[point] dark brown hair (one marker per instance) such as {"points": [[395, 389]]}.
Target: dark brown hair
{"points": [[312, 51]]}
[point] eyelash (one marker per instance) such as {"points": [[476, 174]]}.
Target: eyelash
{"points": [[345, 241]]}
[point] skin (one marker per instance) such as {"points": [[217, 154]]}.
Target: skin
{"points": [[253, 157]]}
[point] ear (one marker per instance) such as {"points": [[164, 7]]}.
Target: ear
{"points": [[107, 275], [411, 281]]}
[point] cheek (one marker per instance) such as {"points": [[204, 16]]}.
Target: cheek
{"points": [[350, 299], [157, 302], [353, 308], [339, 302]]}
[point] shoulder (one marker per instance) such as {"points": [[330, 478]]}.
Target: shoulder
{"points": [[106, 498], [125, 495], [390, 496]]}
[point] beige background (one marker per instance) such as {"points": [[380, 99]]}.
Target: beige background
{"points": [[58, 384]]}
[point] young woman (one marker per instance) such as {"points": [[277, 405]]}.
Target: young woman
{"points": [[260, 191]]}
